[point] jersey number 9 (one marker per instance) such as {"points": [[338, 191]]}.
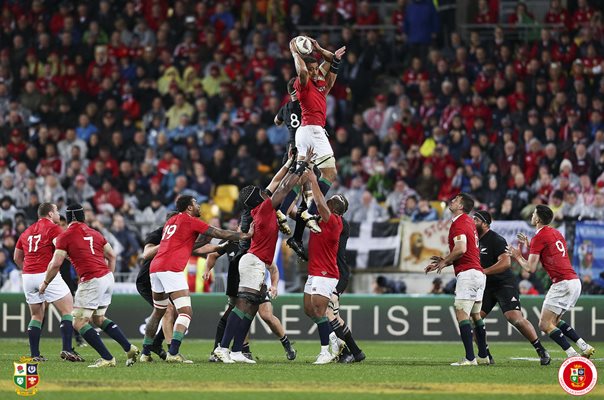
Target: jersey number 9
{"points": [[560, 246]]}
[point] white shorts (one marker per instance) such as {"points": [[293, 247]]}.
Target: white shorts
{"points": [[252, 272], [562, 296], [320, 285], [316, 137], [470, 285], [95, 293], [55, 291], [168, 282]]}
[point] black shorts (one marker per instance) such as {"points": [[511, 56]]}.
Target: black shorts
{"points": [[507, 296], [233, 276], [143, 285]]}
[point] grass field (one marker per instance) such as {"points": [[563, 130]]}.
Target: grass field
{"points": [[393, 370]]}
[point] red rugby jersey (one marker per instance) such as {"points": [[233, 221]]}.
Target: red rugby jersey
{"points": [[464, 225], [36, 244], [550, 245]]}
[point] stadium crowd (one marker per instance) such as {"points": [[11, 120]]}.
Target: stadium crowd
{"points": [[124, 105]]}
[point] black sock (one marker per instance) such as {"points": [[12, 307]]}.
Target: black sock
{"points": [[158, 340], [538, 346], [233, 322], [67, 331], [344, 333], [222, 323], [489, 352], [114, 331], [94, 340], [324, 185], [285, 342], [324, 330], [246, 348], [300, 224], [34, 331], [557, 336], [568, 331], [481, 338], [241, 333], [465, 331], [287, 202]]}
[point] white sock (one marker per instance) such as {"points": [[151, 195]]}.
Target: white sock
{"points": [[581, 343], [325, 349], [570, 351]]}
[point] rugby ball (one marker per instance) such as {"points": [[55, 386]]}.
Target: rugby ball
{"points": [[303, 44]]}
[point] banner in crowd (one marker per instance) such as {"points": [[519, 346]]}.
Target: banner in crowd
{"points": [[385, 317], [588, 252], [375, 245], [420, 241]]}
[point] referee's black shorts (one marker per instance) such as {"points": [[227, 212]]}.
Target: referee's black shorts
{"points": [[506, 295]]}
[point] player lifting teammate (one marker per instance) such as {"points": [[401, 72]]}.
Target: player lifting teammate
{"points": [[312, 86], [323, 273], [259, 258], [549, 247], [464, 255], [501, 287], [94, 261], [166, 272], [33, 253]]}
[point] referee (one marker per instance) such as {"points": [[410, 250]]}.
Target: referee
{"points": [[502, 287]]}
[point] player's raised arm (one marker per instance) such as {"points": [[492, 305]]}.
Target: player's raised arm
{"points": [[529, 265], [329, 68], [278, 178], [299, 63], [322, 207], [110, 256], [229, 235], [53, 269]]}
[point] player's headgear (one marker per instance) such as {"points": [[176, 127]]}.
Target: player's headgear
{"points": [[545, 214], [75, 212], [251, 196], [340, 204], [483, 216]]}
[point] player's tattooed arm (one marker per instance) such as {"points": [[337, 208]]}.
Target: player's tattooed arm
{"points": [[229, 235], [299, 63]]}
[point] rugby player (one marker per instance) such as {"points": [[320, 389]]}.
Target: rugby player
{"points": [[549, 246], [166, 272], [94, 261], [464, 255], [32, 255], [312, 86], [501, 287], [323, 273], [259, 258]]}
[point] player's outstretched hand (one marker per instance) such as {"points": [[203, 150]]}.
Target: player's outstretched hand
{"points": [[430, 268], [206, 275], [339, 53], [292, 46], [310, 154], [436, 259], [523, 239]]}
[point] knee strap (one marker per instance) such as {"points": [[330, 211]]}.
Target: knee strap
{"points": [[181, 302], [183, 319]]}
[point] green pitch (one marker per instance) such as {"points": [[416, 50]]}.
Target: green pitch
{"points": [[393, 370]]}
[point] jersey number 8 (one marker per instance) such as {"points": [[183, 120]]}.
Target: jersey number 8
{"points": [[294, 121]]}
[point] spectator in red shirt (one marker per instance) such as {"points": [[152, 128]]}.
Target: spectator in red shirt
{"points": [[109, 162], [107, 195], [16, 147], [485, 14], [366, 15], [582, 15]]}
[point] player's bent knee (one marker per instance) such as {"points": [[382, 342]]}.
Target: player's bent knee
{"points": [[161, 304], [184, 320], [464, 305]]}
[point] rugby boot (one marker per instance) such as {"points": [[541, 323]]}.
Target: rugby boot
{"points": [[71, 356], [223, 355], [464, 362], [297, 247], [544, 357], [131, 355], [311, 221], [588, 352], [239, 357], [283, 226], [177, 358], [102, 363]]}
